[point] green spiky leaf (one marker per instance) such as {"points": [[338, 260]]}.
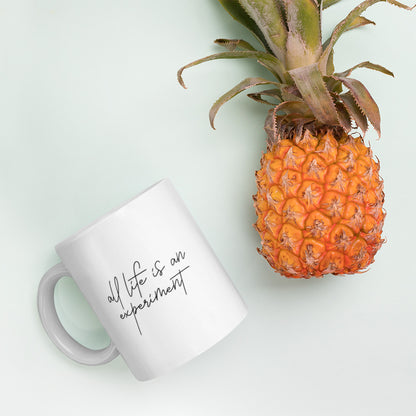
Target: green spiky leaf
{"points": [[333, 85], [346, 23], [364, 100], [354, 111], [291, 93], [365, 64], [304, 36], [358, 22], [273, 93], [354, 24], [311, 85], [343, 116], [240, 87], [295, 107], [267, 60], [329, 3], [330, 67], [268, 17], [236, 10], [235, 44]]}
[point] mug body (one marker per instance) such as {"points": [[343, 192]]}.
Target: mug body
{"points": [[154, 282]]}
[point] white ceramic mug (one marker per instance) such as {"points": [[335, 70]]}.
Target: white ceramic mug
{"points": [[153, 281]]}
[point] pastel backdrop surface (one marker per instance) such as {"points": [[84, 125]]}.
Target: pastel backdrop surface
{"points": [[91, 114]]}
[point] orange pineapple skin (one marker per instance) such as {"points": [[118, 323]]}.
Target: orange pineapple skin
{"points": [[319, 205]]}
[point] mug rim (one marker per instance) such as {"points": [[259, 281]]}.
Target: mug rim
{"points": [[109, 214]]}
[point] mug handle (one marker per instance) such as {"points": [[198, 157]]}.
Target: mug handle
{"points": [[54, 328]]}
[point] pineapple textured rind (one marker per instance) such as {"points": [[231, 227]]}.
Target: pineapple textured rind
{"points": [[319, 205]]}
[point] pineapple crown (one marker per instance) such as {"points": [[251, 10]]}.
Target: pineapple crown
{"points": [[306, 91]]}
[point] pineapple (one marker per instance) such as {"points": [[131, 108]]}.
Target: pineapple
{"points": [[319, 200]]}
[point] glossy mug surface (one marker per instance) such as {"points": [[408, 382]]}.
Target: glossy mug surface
{"points": [[153, 281]]}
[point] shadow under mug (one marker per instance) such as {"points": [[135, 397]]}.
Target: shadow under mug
{"points": [[152, 279]]}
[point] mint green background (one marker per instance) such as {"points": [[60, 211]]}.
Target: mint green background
{"points": [[91, 114]]}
